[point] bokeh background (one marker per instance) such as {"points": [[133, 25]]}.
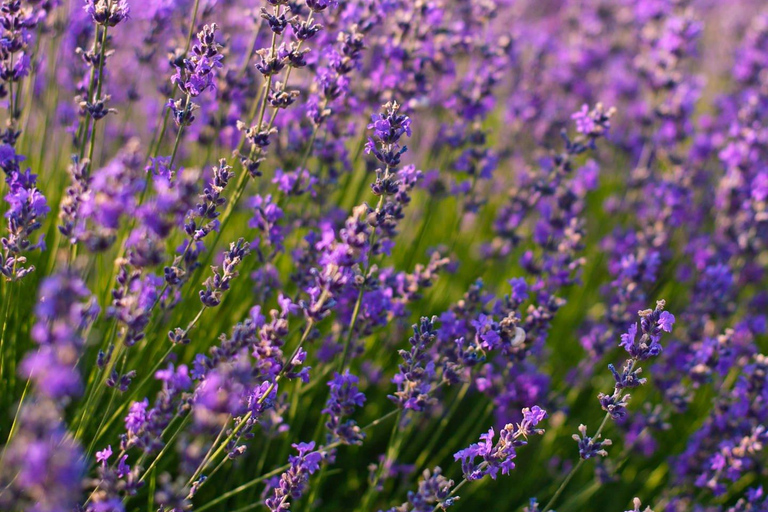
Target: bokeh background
{"points": [[669, 204]]}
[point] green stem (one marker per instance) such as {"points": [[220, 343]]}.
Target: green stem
{"points": [[178, 137], [283, 370], [106, 411], [482, 466], [563, 485], [351, 330], [165, 448], [192, 26], [390, 453], [15, 422], [97, 82], [7, 292], [83, 128], [573, 470], [282, 468], [221, 448], [96, 392], [434, 437]]}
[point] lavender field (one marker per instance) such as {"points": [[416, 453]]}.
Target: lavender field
{"points": [[384, 255]]}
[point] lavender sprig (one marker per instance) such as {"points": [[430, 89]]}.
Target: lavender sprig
{"points": [[652, 323]]}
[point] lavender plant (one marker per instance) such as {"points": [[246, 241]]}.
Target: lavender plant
{"points": [[360, 254]]}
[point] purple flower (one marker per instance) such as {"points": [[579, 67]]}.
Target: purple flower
{"points": [[519, 289], [416, 373], [344, 398], [593, 123], [531, 417], [104, 455], [590, 447], [487, 332], [195, 74], [293, 482], [217, 284], [388, 127], [43, 464], [27, 209], [434, 491], [266, 217], [499, 456], [584, 122], [107, 12], [652, 322], [296, 182], [137, 416], [628, 339], [114, 190], [321, 5], [64, 311], [666, 321], [133, 298], [174, 378]]}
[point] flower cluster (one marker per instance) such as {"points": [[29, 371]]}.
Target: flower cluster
{"points": [[434, 492], [590, 447], [27, 208], [499, 456], [344, 398], [417, 374], [652, 323], [107, 12], [293, 482], [43, 465], [219, 282], [64, 312]]}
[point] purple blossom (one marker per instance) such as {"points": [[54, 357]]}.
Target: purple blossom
{"points": [[296, 182], [137, 416], [593, 123], [416, 374], [27, 208], [217, 284], [65, 310], [293, 483], [434, 491], [666, 321], [107, 12], [499, 456], [513, 190], [590, 447], [388, 128], [652, 322], [344, 398], [43, 464], [266, 217], [197, 73], [104, 455]]}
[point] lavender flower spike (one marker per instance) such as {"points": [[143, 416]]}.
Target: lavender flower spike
{"points": [[499, 456], [344, 398], [294, 481], [434, 491]]}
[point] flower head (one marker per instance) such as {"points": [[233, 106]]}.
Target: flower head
{"points": [[499, 456], [107, 12], [293, 482], [104, 455]]}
